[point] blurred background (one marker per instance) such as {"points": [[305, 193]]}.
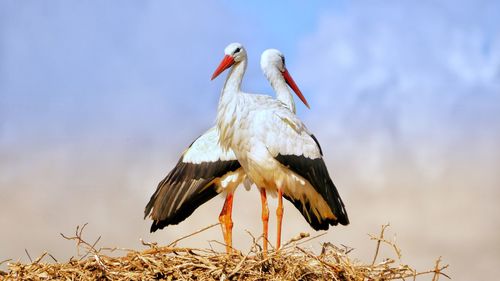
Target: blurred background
{"points": [[99, 98]]}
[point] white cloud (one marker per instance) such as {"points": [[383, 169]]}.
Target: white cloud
{"points": [[424, 74]]}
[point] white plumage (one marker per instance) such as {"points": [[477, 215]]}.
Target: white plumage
{"points": [[274, 147], [206, 149]]}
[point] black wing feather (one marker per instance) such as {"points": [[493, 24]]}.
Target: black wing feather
{"points": [[316, 173], [170, 204]]}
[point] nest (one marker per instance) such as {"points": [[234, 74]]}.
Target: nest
{"points": [[291, 262]]}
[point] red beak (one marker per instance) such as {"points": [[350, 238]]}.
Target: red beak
{"points": [[226, 63], [295, 88]]}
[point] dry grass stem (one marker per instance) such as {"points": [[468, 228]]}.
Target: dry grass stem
{"points": [[170, 262]]}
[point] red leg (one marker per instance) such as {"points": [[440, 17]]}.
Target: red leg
{"points": [[229, 222], [279, 215], [226, 222], [265, 217]]}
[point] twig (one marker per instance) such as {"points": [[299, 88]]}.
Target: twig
{"points": [[381, 236], [92, 247], [299, 237], [26, 251], [192, 234], [150, 244], [238, 266], [255, 244], [79, 240], [4, 261], [216, 242], [100, 263], [40, 258], [50, 255], [304, 241], [438, 269]]}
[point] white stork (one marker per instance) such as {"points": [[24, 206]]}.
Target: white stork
{"points": [[275, 148], [205, 170]]}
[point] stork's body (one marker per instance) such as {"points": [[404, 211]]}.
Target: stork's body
{"points": [[275, 149]]}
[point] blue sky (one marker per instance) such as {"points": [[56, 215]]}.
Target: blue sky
{"points": [[139, 72], [89, 66], [283, 22]]}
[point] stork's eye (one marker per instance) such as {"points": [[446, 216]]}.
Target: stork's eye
{"points": [[283, 60], [237, 50]]}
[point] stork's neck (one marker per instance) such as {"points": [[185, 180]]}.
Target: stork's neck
{"points": [[234, 78], [226, 114], [280, 87]]}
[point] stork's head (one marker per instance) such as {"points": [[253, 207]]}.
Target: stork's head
{"points": [[234, 53], [273, 61]]}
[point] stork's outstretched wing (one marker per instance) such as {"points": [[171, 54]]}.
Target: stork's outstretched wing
{"points": [[194, 180], [297, 149]]}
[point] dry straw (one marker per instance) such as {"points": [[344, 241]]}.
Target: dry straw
{"points": [[292, 262]]}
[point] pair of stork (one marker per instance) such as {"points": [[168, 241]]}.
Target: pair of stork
{"points": [[257, 139]]}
